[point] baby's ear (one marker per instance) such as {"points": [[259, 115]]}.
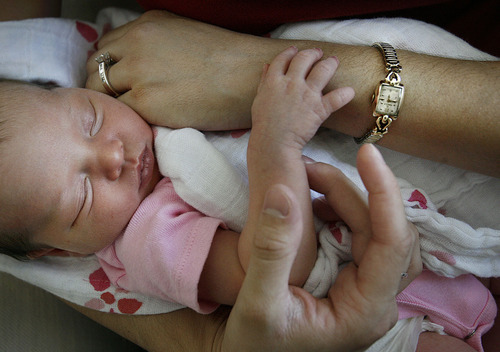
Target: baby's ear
{"points": [[53, 252]]}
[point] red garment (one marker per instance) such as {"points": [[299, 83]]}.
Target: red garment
{"points": [[472, 20], [260, 16]]}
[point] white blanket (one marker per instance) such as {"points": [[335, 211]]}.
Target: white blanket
{"points": [[209, 172], [56, 50]]}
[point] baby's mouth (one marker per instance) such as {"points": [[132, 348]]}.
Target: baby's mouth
{"points": [[145, 167]]}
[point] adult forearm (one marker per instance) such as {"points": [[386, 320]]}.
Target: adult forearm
{"points": [[449, 113], [181, 330]]}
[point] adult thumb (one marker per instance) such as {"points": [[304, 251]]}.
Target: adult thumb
{"points": [[276, 241]]}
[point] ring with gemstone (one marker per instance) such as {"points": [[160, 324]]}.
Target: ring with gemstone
{"points": [[105, 62]]}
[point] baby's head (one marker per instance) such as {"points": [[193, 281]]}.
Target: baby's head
{"points": [[74, 166]]}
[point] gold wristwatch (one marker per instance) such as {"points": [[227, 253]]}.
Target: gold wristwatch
{"points": [[388, 96]]}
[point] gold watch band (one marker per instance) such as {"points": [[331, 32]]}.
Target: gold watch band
{"points": [[385, 110]]}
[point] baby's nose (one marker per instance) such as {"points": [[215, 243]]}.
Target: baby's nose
{"points": [[111, 159]]}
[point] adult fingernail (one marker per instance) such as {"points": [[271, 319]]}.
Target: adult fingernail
{"points": [[308, 160], [276, 203]]}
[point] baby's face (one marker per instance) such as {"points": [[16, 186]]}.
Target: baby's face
{"points": [[79, 165]]}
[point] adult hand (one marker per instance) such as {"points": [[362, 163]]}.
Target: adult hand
{"points": [[178, 72], [271, 316]]}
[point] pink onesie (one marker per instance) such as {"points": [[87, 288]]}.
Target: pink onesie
{"points": [[163, 249], [462, 305]]}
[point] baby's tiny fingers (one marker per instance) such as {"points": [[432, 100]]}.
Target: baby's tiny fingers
{"points": [[263, 76], [337, 98], [280, 63], [303, 62], [322, 73]]}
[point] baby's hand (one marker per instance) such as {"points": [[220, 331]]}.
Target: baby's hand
{"points": [[290, 105]]}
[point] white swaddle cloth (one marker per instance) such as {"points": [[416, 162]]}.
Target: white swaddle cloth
{"points": [[209, 172]]}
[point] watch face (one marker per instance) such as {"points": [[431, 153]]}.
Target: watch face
{"points": [[388, 99]]}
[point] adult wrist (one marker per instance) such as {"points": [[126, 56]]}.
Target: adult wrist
{"points": [[388, 96], [360, 68]]}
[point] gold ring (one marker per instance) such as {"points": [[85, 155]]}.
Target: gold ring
{"points": [[105, 62]]}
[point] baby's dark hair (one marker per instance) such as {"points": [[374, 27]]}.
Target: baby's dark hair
{"points": [[17, 242]]}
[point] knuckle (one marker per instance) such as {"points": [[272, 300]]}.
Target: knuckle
{"points": [[305, 54], [152, 15], [324, 68], [272, 244], [142, 32], [341, 98]]}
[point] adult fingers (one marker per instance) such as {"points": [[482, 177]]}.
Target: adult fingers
{"points": [[264, 310], [275, 246], [114, 52], [115, 34], [390, 249], [323, 210], [341, 194], [117, 76], [346, 202], [108, 43]]}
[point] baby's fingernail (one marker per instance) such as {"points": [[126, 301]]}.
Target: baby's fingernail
{"points": [[308, 160], [335, 58]]}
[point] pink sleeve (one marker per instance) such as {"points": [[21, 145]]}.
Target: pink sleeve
{"points": [[163, 250]]}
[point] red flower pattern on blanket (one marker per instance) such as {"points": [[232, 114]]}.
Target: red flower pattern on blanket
{"points": [[337, 234], [239, 133], [417, 196], [112, 298], [90, 34], [87, 31]]}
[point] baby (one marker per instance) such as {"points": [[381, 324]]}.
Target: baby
{"points": [[78, 175]]}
